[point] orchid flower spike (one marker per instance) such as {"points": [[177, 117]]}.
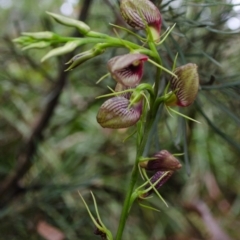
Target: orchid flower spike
{"points": [[127, 69], [142, 13], [117, 113], [162, 161], [185, 86]]}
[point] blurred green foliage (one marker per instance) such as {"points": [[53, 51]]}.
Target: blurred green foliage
{"points": [[75, 153]]}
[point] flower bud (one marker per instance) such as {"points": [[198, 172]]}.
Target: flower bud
{"points": [[159, 177], [47, 35], [116, 113], [142, 13], [41, 44], [83, 57], [185, 86], [127, 69], [68, 47], [163, 161], [81, 26]]}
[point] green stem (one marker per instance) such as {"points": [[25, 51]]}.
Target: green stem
{"points": [[157, 58], [159, 70], [125, 209], [149, 121], [133, 180], [99, 38]]}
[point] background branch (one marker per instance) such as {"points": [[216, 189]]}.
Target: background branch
{"points": [[8, 186]]}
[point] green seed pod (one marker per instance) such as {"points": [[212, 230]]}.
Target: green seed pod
{"points": [[68, 47], [84, 56], [23, 40], [81, 26], [41, 44], [47, 35]]}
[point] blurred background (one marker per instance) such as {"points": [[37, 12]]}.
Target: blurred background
{"points": [[51, 146]]}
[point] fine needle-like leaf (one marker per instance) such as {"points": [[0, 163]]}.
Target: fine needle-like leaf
{"points": [[175, 62], [96, 209], [178, 154], [168, 31], [130, 135], [111, 89], [166, 107], [163, 68], [148, 207], [115, 93], [108, 233], [140, 171], [153, 185], [146, 98], [146, 159], [90, 214], [128, 31], [182, 115], [185, 146], [102, 78]]}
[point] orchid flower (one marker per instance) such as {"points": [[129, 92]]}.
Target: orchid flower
{"points": [[161, 161], [127, 69], [184, 86], [119, 112], [141, 14]]}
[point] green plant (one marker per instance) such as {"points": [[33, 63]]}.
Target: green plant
{"points": [[131, 103]]}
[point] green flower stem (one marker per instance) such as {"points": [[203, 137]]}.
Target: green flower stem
{"points": [[157, 58], [111, 41], [118, 42], [134, 177], [81, 40], [140, 149]]}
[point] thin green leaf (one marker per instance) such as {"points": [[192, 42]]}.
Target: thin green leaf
{"points": [[153, 186], [96, 209], [148, 207], [102, 78], [90, 214], [182, 115], [163, 68], [220, 86], [185, 147], [128, 31], [216, 129]]}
